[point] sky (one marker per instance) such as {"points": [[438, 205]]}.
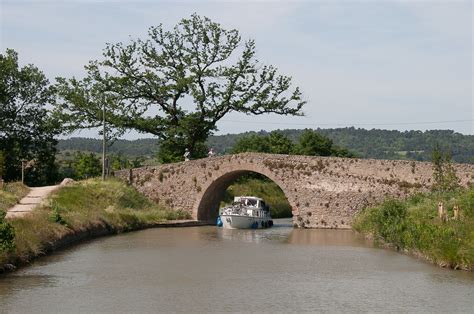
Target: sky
{"points": [[371, 64]]}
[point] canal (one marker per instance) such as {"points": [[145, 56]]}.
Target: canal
{"points": [[206, 269]]}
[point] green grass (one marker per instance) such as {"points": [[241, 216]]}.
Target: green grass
{"points": [[12, 193], [263, 188], [84, 206], [413, 225]]}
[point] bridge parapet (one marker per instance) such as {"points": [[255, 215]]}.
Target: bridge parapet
{"points": [[324, 192]]}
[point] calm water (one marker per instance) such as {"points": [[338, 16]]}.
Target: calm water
{"points": [[205, 269]]}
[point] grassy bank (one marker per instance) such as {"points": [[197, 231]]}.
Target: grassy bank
{"points": [[264, 188], [12, 193], [89, 206], [414, 226]]}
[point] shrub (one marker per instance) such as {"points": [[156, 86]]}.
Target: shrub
{"points": [[56, 215], [7, 234], [414, 225]]}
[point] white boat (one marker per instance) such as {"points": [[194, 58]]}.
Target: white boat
{"points": [[246, 212]]}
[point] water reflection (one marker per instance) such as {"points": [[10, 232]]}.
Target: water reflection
{"points": [[327, 238], [284, 232], [14, 283], [249, 236]]}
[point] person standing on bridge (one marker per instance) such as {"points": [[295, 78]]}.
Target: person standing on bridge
{"points": [[186, 154], [210, 153]]}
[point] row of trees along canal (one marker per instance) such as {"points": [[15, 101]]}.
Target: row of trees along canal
{"points": [[174, 84]]}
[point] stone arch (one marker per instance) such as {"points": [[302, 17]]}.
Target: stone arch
{"points": [[207, 204], [323, 192]]}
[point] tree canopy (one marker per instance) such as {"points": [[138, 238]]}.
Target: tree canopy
{"points": [[86, 166], [177, 85], [444, 174], [26, 128], [309, 143]]}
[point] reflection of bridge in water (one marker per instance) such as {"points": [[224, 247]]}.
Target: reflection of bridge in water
{"points": [[284, 232], [323, 192]]}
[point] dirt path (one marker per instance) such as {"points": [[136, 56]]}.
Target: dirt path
{"points": [[30, 201]]}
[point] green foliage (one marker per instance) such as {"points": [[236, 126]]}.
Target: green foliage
{"points": [[389, 223], [173, 149], [279, 143], [119, 162], [7, 234], [56, 214], [444, 174], [11, 193], [414, 225], [87, 166], [378, 144], [274, 143], [109, 201], [197, 60], [78, 165], [251, 143], [393, 144], [309, 143], [313, 144], [27, 127], [145, 147]]}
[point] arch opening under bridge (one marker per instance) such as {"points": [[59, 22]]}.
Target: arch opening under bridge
{"points": [[207, 207]]}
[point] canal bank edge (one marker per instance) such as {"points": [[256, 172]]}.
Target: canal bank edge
{"points": [[412, 253], [81, 211], [414, 228]]}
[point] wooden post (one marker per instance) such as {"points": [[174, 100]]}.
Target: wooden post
{"points": [[456, 212], [22, 171], [442, 213]]}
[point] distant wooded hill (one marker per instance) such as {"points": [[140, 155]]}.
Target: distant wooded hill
{"points": [[378, 144]]}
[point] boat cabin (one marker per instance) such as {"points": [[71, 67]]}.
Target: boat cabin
{"points": [[244, 213], [251, 201]]}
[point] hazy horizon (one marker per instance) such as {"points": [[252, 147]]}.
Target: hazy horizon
{"points": [[257, 131]]}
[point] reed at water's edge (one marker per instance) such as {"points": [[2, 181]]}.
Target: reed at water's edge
{"points": [[80, 211], [413, 226]]}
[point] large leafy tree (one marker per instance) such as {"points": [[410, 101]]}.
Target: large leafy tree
{"points": [[26, 128], [274, 143], [312, 143], [251, 143], [177, 85], [86, 166]]}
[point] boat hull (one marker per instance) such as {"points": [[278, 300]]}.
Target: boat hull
{"points": [[244, 222]]}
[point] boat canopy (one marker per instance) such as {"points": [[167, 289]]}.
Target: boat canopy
{"points": [[239, 198], [250, 201]]}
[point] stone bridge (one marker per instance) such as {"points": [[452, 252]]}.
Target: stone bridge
{"points": [[323, 192]]}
